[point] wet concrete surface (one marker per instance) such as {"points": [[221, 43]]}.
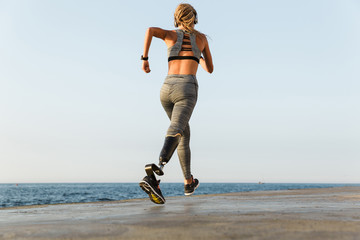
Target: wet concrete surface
{"points": [[331, 213]]}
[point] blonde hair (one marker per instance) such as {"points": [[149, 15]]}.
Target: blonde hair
{"points": [[185, 15]]}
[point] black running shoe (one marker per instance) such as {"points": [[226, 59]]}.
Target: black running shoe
{"points": [[190, 188], [151, 187]]}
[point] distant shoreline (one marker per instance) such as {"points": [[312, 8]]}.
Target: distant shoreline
{"points": [[243, 193]]}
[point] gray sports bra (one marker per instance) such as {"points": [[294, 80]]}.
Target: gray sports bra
{"points": [[181, 45]]}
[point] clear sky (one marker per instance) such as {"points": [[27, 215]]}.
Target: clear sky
{"points": [[282, 105]]}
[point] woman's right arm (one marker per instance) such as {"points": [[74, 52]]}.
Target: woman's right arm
{"points": [[206, 62], [151, 32]]}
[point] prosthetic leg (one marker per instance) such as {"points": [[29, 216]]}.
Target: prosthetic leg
{"points": [[150, 184], [170, 144]]}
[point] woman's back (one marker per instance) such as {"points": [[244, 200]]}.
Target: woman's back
{"points": [[180, 66], [184, 51]]}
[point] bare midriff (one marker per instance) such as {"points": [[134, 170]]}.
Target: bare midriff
{"points": [[186, 67]]}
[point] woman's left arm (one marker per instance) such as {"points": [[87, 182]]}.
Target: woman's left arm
{"points": [[150, 32]]}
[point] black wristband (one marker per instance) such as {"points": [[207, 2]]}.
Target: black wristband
{"points": [[144, 58]]}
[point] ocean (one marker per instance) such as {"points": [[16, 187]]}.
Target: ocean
{"points": [[12, 195]]}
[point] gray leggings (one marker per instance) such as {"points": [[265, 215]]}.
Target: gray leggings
{"points": [[178, 97]]}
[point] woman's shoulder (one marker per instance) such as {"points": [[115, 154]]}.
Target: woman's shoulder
{"points": [[171, 34], [201, 37], [164, 34], [204, 36]]}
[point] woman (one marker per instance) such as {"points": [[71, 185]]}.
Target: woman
{"points": [[179, 92]]}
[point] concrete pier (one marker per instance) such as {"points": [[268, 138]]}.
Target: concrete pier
{"points": [[329, 213]]}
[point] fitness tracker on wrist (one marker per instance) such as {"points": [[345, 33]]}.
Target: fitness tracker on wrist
{"points": [[144, 58]]}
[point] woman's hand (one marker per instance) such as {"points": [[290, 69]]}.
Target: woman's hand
{"points": [[206, 66], [145, 66]]}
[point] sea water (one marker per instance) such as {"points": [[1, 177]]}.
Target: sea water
{"points": [[12, 195]]}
